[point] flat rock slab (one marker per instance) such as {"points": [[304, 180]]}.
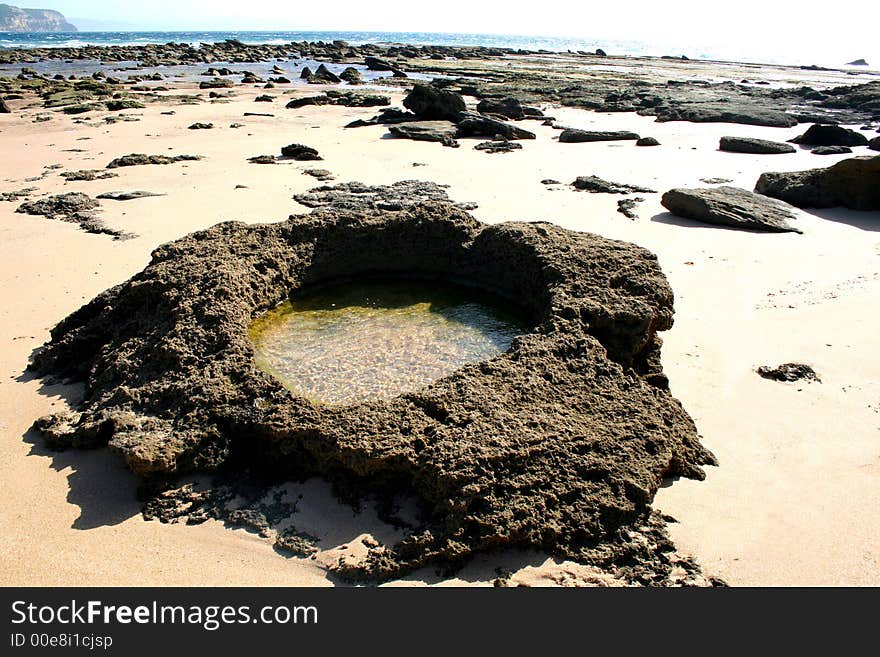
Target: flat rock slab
{"points": [[575, 136], [443, 132], [730, 206], [831, 150], [853, 183], [138, 159], [596, 185], [361, 197], [127, 196], [558, 444], [754, 146]]}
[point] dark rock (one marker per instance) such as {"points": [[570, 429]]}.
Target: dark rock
{"points": [[853, 183], [351, 75], [73, 207], [508, 107], [647, 141], [216, 83], [262, 159], [376, 64], [4, 108], [626, 206], [17, 194], [858, 62], [265, 98], [830, 135], [320, 174], [718, 112], [283, 80], [117, 105], [576, 484], [596, 185], [471, 124], [874, 144], [502, 146], [831, 150], [87, 175], [431, 104], [730, 206], [788, 372], [439, 131], [137, 159], [300, 152], [126, 196], [601, 53], [258, 114], [306, 73], [324, 76], [201, 126], [574, 136], [550, 181], [754, 146]]}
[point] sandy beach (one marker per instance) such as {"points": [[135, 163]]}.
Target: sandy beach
{"points": [[795, 499]]}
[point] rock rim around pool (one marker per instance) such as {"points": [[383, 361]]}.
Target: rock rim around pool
{"points": [[560, 443]]}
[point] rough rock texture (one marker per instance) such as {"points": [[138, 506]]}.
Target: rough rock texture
{"points": [[874, 144], [360, 197], [432, 104], [853, 183], [788, 372], [118, 105], [754, 146], [830, 135], [831, 150], [627, 206], [439, 131], [300, 152], [730, 206], [137, 159], [346, 98], [502, 146], [87, 175], [127, 196], [596, 185], [647, 141], [723, 112], [72, 207], [575, 136], [471, 124], [508, 107], [201, 126], [558, 444]]}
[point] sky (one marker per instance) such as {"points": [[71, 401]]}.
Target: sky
{"points": [[763, 24]]}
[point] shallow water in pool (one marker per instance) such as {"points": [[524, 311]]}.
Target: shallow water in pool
{"points": [[350, 343]]}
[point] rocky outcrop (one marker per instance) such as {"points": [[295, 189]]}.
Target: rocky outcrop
{"points": [[754, 146], [300, 152], [14, 19], [830, 135], [575, 136], [558, 444], [432, 104], [853, 183], [730, 206]]}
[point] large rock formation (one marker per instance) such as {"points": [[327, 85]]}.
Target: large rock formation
{"points": [[853, 183], [560, 443], [730, 206], [14, 19]]}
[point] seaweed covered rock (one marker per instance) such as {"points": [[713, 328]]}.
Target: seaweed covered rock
{"points": [[560, 443], [852, 183]]}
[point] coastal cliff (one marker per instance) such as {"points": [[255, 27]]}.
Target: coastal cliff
{"points": [[14, 19]]}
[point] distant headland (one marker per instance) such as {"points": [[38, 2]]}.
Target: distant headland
{"points": [[14, 19]]}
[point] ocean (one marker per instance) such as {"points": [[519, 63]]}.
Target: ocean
{"points": [[809, 53]]}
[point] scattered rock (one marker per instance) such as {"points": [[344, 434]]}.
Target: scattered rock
{"points": [[509, 107], [715, 181], [730, 206], [502, 146], [831, 150], [300, 152], [575, 136], [596, 185], [216, 83], [323, 75], [72, 207], [137, 159], [345, 98], [262, 159], [126, 196], [874, 144], [87, 175], [626, 206], [265, 98], [320, 174], [550, 181], [439, 131], [858, 62], [117, 105], [17, 195], [830, 135], [201, 126], [351, 75], [754, 146], [471, 124], [647, 141], [852, 183], [357, 196], [788, 372]]}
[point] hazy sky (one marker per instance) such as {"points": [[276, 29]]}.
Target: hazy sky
{"points": [[764, 24]]}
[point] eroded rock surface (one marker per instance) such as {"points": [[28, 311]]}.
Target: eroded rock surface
{"points": [[754, 146], [558, 444], [853, 183], [358, 196], [730, 206], [72, 207]]}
